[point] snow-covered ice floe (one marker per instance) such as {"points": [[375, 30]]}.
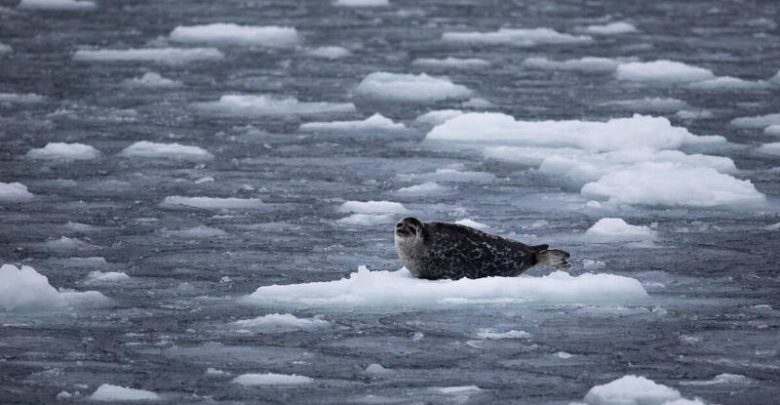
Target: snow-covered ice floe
{"points": [[329, 52], [155, 55], [664, 71], [721, 379], [234, 34], [245, 105], [613, 28], [409, 88], [728, 83], [151, 80], [70, 5], [362, 3], [585, 64], [376, 122], [759, 121], [276, 323], [108, 277], [616, 229], [450, 176], [424, 189], [451, 62], [367, 288], [146, 149], [272, 379], [18, 98], [24, 289], [772, 148], [517, 37], [116, 393], [215, 203], [5, 48], [200, 231], [636, 390], [366, 213], [64, 151], [14, 192]]}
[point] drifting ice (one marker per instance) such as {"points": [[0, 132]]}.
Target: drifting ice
{"points": [[233, 34], [24, 289], [407, 87], [64, 151], [146, 149], [242, 105], [157, 55]]}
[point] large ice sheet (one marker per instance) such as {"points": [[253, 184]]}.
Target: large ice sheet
{"points": [[245, 105], [24, 289], [409, 88], [234, 34]]}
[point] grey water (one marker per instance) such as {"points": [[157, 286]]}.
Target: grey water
{"points": [[712, 274]]}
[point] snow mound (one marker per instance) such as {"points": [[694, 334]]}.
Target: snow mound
{"points": [[153, 80], [427, 188], [516, 37], [493, 335], [410, 88], [472, 224], [450, 62], [15, 98], [213, 203], [760, 121], [114, 393], [200, 231], [374, 122], [156, 55], [437, 117], [662, 71], [373, 207], [728, 83], [146, 149], [14, 192], [24, 289], [99, 277], [367, 219], [272, 379], [329, 52], [620, 27], [69, 5], [772, 148], [586, 64], [241, 105], [281, 323], [234, 34], [450, 176], [64, 151], [398, 288], [636, 390], [672, 184], [616, 229]]}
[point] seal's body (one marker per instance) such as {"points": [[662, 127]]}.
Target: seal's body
{"points": [[437, 250]]}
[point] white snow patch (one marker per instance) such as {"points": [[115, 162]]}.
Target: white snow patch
{"points": [[636, 390], [114, 393], [772, 148], [367, 288], [16, 98], [57, 5], [243, 105], [409, 88], [374, 122], [728, 83], [215, 203], [437, 117], [24, 289], [146, 149], [281, 323], [99, 277], [472, 224], [14, 192], [618, 27], [234, 34], [64, 151], [493, 335], [450, 176], [662, 71], [649, 104], [516, 37], [586, 64], [772, 130], [725, 378], [329, 52], [451, 62], [427, 188], [155, 55], [362, 3], [373, 207], [760, 121], [616, 229], [272, 379], [200, 231], [153, 80]]}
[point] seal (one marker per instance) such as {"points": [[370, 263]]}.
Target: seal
{"points": [[440, 250]]}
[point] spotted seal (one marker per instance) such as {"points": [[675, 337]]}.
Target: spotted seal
{"points": [[440, 250]]}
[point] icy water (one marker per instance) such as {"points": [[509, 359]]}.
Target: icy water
{"points": [[710, 270]]}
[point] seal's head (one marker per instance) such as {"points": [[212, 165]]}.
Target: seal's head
{"points": [[409, 229], [410, 243]]}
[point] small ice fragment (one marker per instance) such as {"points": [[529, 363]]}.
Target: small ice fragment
{"points": [[564, 355], [146, 149], [244, 105], [725, 378], [373, 207], [216, 203], [772, 148], [662, 71], [593, 264], [99, 277], [211, 371], [113, 393], [437, 117], [234, 34], [64, 151], [367, 219], [14, 192], [14, 98], [329, 52], [618, 27], [616, 229], [153, 80], [516, 37], [397, 87], [424, 189], [374, 122], [512, 334], [450, 62], [772, 130], [281, 323], [760, 121], [272, 379], [375, 368]]}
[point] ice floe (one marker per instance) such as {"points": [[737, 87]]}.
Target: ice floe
{"points": [[516, 37], [367, 288], [73, 5], [234, 34], [772, 148], [329, 52], [146, 149], [153, 80], [662, 71], [424, 189], [490, 334], [64, 151], [65, 243], [14, 192], [214, 203], [772, 130], [362, 3], [451, 62], [728, 83], [272, 379], [585, 64], [759, 121], [17, 98], [5, 48], [437, 117], [616, 229], [200, 231], [116, 393], [636, 390], [450, 176], [244, 105], [648, 104], [108, 277], [276, 323], [409, 88], [373, 207], [618, 27], [367, 219], [24, 289], [374, 122], [154, 55]]}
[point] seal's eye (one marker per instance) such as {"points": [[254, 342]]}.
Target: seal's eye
{"points": [[399, 225]]}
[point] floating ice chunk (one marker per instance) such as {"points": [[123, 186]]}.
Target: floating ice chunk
{"points": [[670, 184], [367, 219], [146, 149], [234, 34], [760, 121], [427, 188], [15, 98], [374, 122], [66, 243], [512, 334], [200, 231], [57, 5], [239, 105], [362, 3], [373, 207], [214, 203], [5, 48], [458, 390], [329, 52], [398, 288], [586, 64], [114, 393], [99, 277], [375, 368], [775, 78], [94, 261], [772, 148], [272, 379], [24, 289], [155, 55], [732, 379], [649, 104], [64, 151], [153, 80], [450, 176], [14, 192], [451, 62], [728, 83], [408, 87], [516, 37], [772, 130], [437, 117], [476, 103], [472, 224], [275, 323], [694, 114], [662, 71], [631, 390], [564, 355], [216, 372], [619, 27], [616, 229]]}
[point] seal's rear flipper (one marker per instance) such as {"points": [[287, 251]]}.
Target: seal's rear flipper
{"points": [[554, 258]]}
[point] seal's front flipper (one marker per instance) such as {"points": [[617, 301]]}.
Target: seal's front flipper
{"points": [[553, 258]]}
